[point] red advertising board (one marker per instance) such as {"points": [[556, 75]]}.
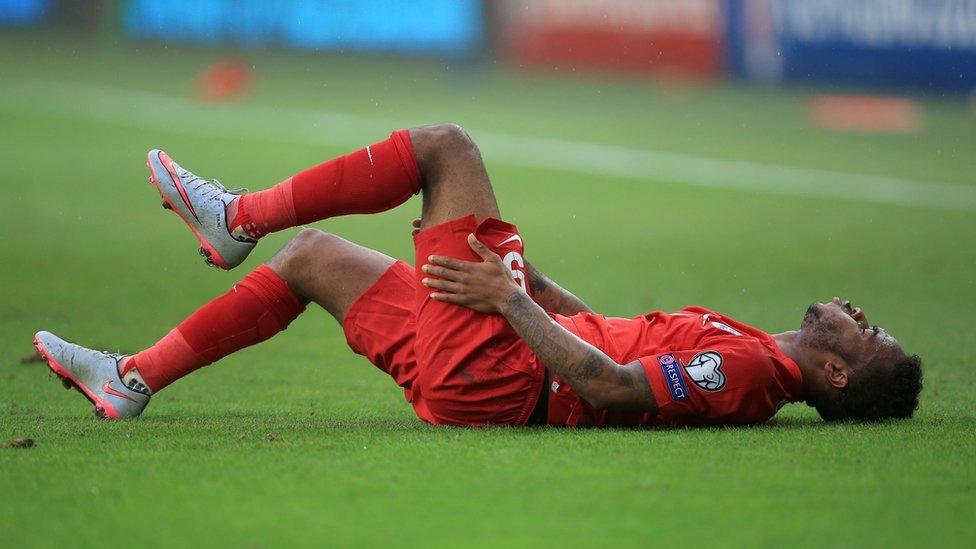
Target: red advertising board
{"points": [[648, 36]]}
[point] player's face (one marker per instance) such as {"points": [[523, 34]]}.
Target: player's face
{"points": [[843, 329]]}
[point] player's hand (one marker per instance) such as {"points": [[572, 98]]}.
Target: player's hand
{"points": [[416, 226], [480, 286]]}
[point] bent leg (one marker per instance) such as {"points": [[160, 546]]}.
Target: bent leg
{"points": [[367, 292], [455, 181], [314, 266], [329, 270], [372, 179], [440, 159]]}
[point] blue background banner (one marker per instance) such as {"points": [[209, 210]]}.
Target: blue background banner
{"points": [[417, 27], [23, 13], [892, 43]]}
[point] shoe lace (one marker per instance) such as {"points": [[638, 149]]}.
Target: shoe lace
{"points": [[210, 189], [115, 356]]}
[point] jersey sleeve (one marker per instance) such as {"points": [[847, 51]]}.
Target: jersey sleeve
{"points": [[728, 384]]}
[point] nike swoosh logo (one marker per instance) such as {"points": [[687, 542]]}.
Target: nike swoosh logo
{"points": [[512, 238], [178, 183], [186, 199], [107, 388]]}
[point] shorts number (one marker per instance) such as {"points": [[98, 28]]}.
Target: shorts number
{"points": [[516, 265]]}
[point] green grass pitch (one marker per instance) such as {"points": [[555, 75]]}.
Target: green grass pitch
{"points": [[299, 441]]}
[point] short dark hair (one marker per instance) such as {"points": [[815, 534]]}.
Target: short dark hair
{"points": [[885, 389]]}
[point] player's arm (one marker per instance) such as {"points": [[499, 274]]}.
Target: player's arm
{"points": [[488, 287], [551, 296], [591, 373]]}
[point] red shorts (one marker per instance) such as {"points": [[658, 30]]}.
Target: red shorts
{"points": [[457, 366]]}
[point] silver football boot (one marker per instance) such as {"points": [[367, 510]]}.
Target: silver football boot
{"points": [[95, 374], [202, 204]]}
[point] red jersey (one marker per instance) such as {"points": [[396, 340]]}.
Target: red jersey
{"points": [[703, 368]]}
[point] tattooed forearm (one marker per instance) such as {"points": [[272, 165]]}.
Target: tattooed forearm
{"points": [[592, 374], [592, 366], [537, 281], [626, 378], [551, 297]]}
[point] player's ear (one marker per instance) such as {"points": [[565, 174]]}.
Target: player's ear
{"points": [[836, 372]]}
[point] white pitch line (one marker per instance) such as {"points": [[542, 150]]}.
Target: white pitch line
{"points": [[145, 109]]}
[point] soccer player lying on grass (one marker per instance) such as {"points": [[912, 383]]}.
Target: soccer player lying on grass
{"points": [[474, 334]]}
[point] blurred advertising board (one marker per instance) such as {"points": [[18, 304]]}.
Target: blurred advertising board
{"points": [[647, 36], [451, 28], [23, 13], [929, 44]]}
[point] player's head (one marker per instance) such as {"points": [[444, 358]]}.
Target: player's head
{"points": [[865, 373]]}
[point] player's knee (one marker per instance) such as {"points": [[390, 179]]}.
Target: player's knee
{"points": [[446, 138], [301, 254], [309, 244]]}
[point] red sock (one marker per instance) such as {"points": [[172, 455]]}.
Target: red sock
{"points": [[374, 179], [256, 308]]}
